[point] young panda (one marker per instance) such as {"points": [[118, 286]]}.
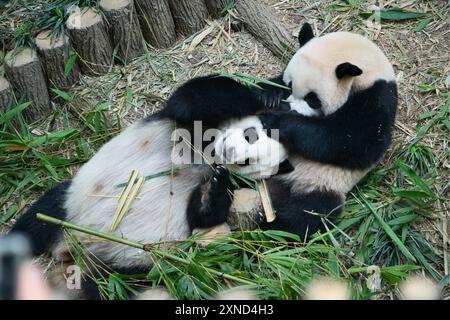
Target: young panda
{"points": [[166, 207], [342, 111]]}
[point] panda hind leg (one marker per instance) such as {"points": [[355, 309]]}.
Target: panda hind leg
{"points": [[42, 235], [210, 202], [303, 213]]}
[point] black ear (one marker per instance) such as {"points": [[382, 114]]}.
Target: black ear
{"points": [[347, 69], [306, 33]]}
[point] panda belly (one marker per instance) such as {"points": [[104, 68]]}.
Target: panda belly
{"points": [[309, 175], [159, 211]]}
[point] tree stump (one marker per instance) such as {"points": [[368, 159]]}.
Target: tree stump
{"points": [[6, 97], [24, 70], [55, 55], [124, 28], [156, 21], [91, 41], [189, 15], [215, 7]]}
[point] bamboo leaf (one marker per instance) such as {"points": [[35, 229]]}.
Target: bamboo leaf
{"points": [[401, 246]]}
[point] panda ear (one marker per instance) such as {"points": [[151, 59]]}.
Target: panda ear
{"points": [[347, 69], [306, 33]]}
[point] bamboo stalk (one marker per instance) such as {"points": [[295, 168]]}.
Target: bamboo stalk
{"points": [[133, 244], [90, 231]]}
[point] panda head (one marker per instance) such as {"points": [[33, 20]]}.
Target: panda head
{"points": [[326, 69], [245, 148]]}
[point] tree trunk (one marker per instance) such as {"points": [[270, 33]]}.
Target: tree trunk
{"points": [[124, 28], [215, 7], [55, 55], [157, 23], [25, 72], [6, 97], [91, 41], [189, 15], [263, 23]]}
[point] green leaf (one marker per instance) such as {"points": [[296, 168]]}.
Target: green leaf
{"points": [[416, 179], [13, 112], [66, 96], [70, 63], [401, 246], [402, 220], [423, 24], [394, 14]]}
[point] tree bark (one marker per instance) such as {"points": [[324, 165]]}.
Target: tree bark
{"points": [[91, 41], [54, 54], [124, 28], [6, 97], [263, 23], [24, 70], [189, 15], [215, 7], [156, 21]]}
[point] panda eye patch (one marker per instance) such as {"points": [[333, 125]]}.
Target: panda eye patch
{"points": [[251, 135], [313, 100]]}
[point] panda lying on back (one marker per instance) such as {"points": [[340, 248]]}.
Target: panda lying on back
{"points": [[342, 111], [343, 103]]}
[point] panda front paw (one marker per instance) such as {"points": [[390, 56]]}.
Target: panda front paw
{"points": [[220, 177], [271, 97]]}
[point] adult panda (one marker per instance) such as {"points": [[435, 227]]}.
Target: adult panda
{"points": [[342, 111]]}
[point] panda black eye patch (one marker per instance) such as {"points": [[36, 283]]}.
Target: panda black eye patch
{"points": [[251, 135], [313, 100]]}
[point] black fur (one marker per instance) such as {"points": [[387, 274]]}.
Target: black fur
{"points": [[210, 202], [347, 69], [91, 290], [210, 99], [301, 213], [355, 136], [213, 99], [43, 235], [306, 33], [272, 96]]}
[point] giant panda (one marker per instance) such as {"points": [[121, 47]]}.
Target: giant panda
{"points": [[339, 122], [342, 107], [168, 207]]}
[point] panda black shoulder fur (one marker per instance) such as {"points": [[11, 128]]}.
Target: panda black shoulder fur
{"points": [[344, 90]]}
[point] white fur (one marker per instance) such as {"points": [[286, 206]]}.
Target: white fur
{"points": [[265, 154], [155, 215], [301, 106], [313, 66]]}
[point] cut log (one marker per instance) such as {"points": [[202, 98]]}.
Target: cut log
{"points": [[24, 71], [156, 21], [262, 22], [124, 28], [215, 7], [6, 97], [55, 54], [90, 39], [189, 15]]}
